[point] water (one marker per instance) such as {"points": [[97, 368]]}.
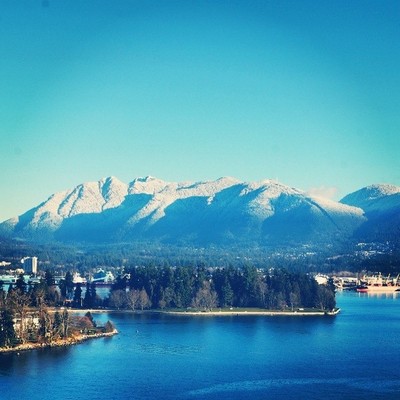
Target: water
{"points": [[352, 356]]}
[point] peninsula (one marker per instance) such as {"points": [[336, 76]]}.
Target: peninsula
{"points": [[72, 340]]}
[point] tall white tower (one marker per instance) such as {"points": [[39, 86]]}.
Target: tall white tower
{"points": [[30, 265]]}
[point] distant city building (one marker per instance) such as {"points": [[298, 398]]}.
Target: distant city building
{"points": [[321, 279], [29, 265], [4, 264]]}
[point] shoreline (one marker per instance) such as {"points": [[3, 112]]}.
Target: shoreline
{"points": [[218, 313], [59, 343], [267, 313], [235, 312]]}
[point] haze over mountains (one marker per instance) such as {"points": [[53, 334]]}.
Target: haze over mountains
{"points": [[222, 212]]}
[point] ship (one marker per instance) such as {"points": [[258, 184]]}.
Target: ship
{"points": [[378, 284]]}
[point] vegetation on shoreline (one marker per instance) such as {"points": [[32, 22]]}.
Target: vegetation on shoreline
{"points": [[206, 289], [26, 321], [200, 288], [25, 316]]}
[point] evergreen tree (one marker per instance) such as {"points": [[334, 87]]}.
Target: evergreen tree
{"points": [[20, 284], [64, 323], [49, 278], [182, 287], [91, 319], [109, 327], [7, 333], [77, 301], [95, 300], [226, 293], [69, 285], [120, 283], [87, 300]]}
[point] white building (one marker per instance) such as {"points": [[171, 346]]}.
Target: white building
{"points": [[321, 279], [4, 264], [29, 265]]}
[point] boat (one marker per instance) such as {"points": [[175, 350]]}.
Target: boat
{"points": [[378, 284]]}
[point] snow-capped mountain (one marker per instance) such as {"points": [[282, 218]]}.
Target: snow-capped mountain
{"points": [[222, 211], [381, 204], [379, 198]]}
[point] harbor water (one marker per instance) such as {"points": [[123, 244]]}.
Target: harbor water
{"points": [[353, 355]]}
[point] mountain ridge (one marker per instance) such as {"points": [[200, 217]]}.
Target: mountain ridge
{"points": [[220, 211]]}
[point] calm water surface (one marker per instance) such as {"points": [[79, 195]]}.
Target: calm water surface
{"points": [[355, 355]]}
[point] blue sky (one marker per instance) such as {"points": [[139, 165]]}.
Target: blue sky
{"points": [[306, 92]]}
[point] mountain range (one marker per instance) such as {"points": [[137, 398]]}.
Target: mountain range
{"points": [[221, 212]]}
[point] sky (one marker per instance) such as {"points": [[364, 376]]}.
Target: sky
{"points": [[305, 92]]}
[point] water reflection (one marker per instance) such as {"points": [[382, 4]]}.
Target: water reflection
{"points": [[32, 362], [241, 357]]}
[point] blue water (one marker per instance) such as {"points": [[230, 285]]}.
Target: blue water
{"points": [[355, 355]]}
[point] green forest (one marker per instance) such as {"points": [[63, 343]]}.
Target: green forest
{"points": [[32, 313], [305, 258], [205, 289]]}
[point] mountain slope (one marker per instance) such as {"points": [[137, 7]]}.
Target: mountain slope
{"points": [[381, 204], [221, 212], [380, 198]]}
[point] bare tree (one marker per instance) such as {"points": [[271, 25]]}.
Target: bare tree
{"points": [[118, 299], [132, 299], [205, 298], [144, 301], [20, 302]]}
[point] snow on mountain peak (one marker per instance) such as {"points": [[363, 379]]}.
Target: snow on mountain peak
{"points": [[149, 204], [146, 185], [374, 197], [380, 190], [113, 192]]}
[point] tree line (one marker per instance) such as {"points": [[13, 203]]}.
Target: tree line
{"points": [[166, 287], [205, 288], [25, 314]]}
